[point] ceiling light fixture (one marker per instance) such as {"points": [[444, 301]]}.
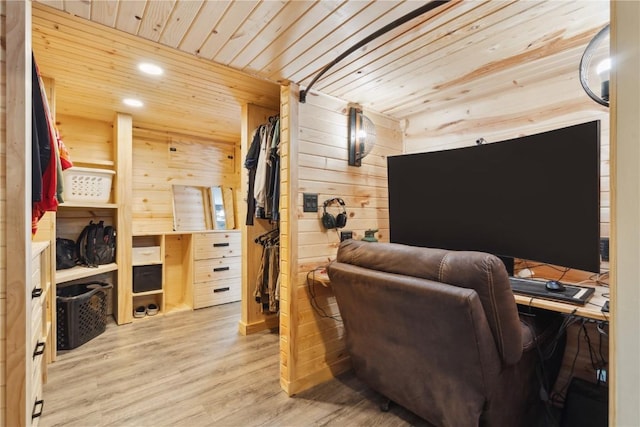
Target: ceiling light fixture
{"points": [[151, 69], [132, 102]]}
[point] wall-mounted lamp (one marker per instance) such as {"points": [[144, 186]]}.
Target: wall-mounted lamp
{"points": [[362, 136], [595, 65]]}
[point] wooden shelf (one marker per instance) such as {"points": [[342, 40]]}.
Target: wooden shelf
{"points": [[37, 247], [92, 162], [173, 233], [154, 292], [80, 272], [88, 205]]}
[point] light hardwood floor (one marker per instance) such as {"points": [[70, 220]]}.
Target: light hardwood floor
{"points": [[194, 369]]}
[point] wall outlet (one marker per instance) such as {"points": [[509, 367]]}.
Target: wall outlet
{"points": [[601, 375], [346, 235]]}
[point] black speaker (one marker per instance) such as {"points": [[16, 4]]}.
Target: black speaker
{"points": [[586, 405], [328, 220]]}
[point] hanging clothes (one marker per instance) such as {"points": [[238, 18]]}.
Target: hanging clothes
{"points": [[273, 173], [267, 289], [251, 164], [263, 164], [45, 157], [49, 156], [261, 173]]}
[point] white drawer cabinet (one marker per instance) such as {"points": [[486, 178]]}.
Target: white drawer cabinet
{"points": [[38, 339], [217, 277]]}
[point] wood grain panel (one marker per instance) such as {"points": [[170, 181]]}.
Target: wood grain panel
{"points": [[289, 144], [178, 292], [3, 220], [219, 157], [365, 22], [234, 16], [364, 190], [129, 15], [196, 162], [104, 12], [246, 34], [295, 20], [16, 387], [156, 14], [458, 49], [178, 24], [202, 25], [90, 142], [93, 86], [71, 221]]}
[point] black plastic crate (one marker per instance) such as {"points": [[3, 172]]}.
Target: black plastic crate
{"points": [[81, 313]]}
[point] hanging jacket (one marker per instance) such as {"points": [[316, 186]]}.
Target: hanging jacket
{"points": [[251, 164]]}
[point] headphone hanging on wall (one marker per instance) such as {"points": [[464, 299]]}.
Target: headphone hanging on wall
{"points": [[328, 220]]}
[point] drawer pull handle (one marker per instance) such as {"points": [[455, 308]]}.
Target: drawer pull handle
{"points": [[221, 290], [39, 349], [36, 293], [38, 406], [220, 245], [221, 269]]}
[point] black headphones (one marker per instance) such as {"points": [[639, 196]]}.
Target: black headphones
{"points": [[329, 221]]}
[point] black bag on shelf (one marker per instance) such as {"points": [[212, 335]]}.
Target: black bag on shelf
{"points": [[66, 256], [96, 244]]}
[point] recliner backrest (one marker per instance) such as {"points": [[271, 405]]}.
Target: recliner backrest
{"points": [[481, 272]]}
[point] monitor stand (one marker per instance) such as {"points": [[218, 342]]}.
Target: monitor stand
{"points": [[509, 264]]}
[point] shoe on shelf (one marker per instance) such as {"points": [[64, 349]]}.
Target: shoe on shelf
{"points": [[152, 309], [140, 311]]}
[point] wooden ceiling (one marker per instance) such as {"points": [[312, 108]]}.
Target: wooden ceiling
{"points": [[91, 49]]}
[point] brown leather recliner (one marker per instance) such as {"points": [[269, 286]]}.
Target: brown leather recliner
{"points": [[439, 333]]}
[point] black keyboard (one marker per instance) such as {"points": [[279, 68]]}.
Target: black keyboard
{"points": [[536, 288]]}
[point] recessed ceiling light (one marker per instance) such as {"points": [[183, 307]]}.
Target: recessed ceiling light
{"points": [[152, 69], [133, 102]]}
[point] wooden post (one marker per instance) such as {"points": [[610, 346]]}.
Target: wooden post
{"points": [[289, 239], [17, 213], [123, 145], [624, 352]]}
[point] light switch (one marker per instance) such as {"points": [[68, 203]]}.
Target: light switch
{"points": [[310, 202]]}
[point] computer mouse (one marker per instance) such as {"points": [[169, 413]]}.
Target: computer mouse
{"points": [[554, 286]]}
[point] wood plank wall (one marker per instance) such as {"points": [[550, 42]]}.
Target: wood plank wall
{"points": [[164, 159], [320, 166], [3, 217]]}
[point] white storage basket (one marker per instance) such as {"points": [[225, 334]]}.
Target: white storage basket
{"points": [[87, 185]]}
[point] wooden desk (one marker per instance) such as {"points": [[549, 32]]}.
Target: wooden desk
{"points": [[591, 310]]}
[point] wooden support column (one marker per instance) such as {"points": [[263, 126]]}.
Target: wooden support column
{"points": [[289, 236], [624, 353], [123, 137], [17, 214]]}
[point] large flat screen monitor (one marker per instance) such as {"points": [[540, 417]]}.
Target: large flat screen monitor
{"points": [[535, 197]]}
